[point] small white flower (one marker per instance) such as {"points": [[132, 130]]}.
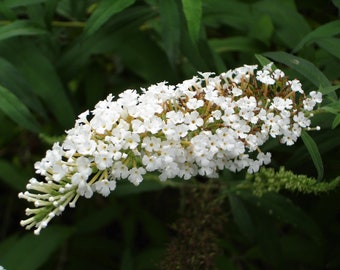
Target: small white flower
{"points": [[316, 96], [84, 189], [103, 159], [295, 85], [301, 120], [194, 103], [104, 187], [136, 175], [281, 104], [193, 120], [277, 74], [264, 77], [236, 91], [151, 144]]}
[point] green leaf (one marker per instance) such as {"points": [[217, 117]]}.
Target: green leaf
{"points": [[147, 60], [126, 188], [283, 209], [31, 251], [235, 14], [13, 176], [241, 216], [18, 3], [289, 29], [127, 260], [238, 44], [40, 74], [263, 60], [336, 121], [19, 28], [97, 219], [314, 153], [119, 31], [17, 111], [328, 89], [7, 12], [336, 3], [326, 30], [192, 10], [331, 109], [170, 28], [105, 10], [331, 45], [262, 29], [12, 79], [304, 67]]}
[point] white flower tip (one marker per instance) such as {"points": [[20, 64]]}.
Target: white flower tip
{"points": [[72, 204], [43, 224]]}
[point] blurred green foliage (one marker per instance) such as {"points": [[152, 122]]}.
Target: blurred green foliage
{"points": [[60, 57]]}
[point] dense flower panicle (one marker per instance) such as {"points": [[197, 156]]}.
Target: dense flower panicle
{"points": [[198, 127]]}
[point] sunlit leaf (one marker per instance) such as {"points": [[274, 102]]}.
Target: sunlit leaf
{"points": [[314, 153]]}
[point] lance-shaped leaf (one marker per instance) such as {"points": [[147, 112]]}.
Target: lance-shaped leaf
{"points": [[192, 10], [314, 153], [326, 30], [19, 28], [105, 10], [31, 252], [16, 110]]}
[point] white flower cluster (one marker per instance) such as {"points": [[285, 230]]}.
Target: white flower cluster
{"points": [[198, 127]]}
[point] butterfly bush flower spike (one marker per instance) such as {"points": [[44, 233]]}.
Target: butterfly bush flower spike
{"points": [[198, 127]]}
